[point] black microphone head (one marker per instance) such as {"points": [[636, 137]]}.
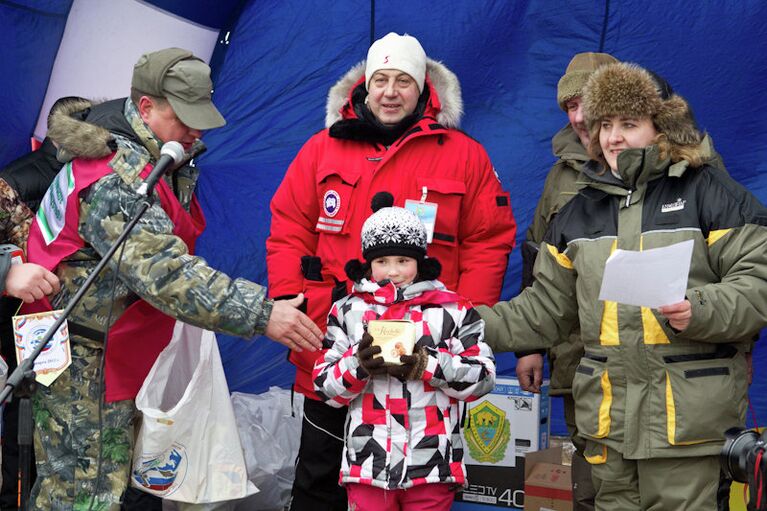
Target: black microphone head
{"points": [[173, 149]]}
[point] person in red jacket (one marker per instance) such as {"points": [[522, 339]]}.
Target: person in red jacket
{"points": [[391, 125]]}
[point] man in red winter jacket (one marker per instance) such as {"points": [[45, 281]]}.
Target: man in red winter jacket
{"points": [[391, 125]]}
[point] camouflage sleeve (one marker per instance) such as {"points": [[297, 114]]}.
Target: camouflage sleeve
{"points": [[157, 266], [15, 217]]}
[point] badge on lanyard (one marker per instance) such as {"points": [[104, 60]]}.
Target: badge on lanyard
{"points": [[425, 211], [28, 331]]}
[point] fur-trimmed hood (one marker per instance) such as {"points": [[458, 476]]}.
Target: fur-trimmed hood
{"points": [[77, 138], [445, 94]]}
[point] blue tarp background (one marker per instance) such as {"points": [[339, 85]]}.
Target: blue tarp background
{"points": [[273, 76]]}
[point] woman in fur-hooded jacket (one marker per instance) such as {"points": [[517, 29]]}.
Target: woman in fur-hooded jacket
{"points": [[656, 388]]}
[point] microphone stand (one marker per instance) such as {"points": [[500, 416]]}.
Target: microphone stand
{"points": [[22, 380]]}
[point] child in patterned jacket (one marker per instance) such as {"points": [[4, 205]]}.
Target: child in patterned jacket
{"points": [[403, 447]]}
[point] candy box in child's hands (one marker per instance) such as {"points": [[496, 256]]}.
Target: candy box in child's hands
{"points": [[396, 337]]}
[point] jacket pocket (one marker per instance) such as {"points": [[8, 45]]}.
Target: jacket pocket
{"points": [[318, 297], [448, 195], [705, 394], [335, 191], [594, 395]]}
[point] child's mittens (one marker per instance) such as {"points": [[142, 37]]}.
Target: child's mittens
{"points": [[366, 353], [412, 365]]}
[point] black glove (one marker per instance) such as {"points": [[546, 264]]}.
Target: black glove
{"points": [[366, 353], [412, 365]]}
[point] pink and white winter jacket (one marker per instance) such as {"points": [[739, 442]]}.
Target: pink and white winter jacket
{"points": [[403, 434]]}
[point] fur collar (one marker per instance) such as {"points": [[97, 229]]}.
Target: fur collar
{"points": [[75, 136], [444, 86]]}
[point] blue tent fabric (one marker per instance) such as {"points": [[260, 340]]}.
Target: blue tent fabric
{"points": [[268, 119], [272, 86], [200, 11], [30, 33], [277, 61]]}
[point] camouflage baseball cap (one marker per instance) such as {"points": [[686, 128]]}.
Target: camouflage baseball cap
{"points": [[184, 80]]}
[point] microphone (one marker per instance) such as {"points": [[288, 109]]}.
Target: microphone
{"points": [[171, 153]]}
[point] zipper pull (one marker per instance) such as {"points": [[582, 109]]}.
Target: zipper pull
{"points": [[628, 198]]}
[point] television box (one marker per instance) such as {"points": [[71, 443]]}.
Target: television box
{"points": [[499, 430], [548, 483]]}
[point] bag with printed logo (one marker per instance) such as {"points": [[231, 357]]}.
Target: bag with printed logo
{"points": [[188, 448]]}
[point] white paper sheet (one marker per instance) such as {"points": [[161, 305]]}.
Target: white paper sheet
{"points": [[650, 278]]}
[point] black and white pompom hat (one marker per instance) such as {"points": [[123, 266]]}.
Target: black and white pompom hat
{"points": [[392, 230]]}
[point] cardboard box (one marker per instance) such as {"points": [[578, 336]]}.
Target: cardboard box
{"points": [[548, 483], [500, 429]]}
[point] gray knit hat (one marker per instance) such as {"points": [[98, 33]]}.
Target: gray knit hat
{"points": [[577, 74]]}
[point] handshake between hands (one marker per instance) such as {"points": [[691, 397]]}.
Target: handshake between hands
{"points": [[290, 327], [412, 365]]}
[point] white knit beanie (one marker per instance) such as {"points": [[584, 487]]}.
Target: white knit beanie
{"points": [[401, 52]]}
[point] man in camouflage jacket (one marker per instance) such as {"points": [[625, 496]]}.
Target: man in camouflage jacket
{"points": [[84, 451]]}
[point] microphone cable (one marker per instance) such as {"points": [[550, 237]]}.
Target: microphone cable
{"points": [[102, 363]]}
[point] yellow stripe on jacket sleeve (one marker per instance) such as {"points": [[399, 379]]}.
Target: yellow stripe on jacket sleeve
{"points": [[561, 259], [715, 236]]}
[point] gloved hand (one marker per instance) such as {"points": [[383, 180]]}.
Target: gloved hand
{"points": [[412, 365], [366, 353]]}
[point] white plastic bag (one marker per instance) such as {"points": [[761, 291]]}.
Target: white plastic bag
{"points": [[270, 431], [188, 449]]}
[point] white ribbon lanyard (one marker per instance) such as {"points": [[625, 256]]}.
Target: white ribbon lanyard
{"points": [[425, 211]]}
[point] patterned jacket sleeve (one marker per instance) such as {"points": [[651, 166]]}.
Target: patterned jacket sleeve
{"points": [[466, 370], [338, 376], [15, 219], [15, 216], [157, 266]]}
